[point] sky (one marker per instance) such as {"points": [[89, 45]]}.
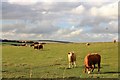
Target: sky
{"points": [[70, 20]]}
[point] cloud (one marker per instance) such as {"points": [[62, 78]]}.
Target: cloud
{"points": [[37, 27], [23, 2], [110, 10], [73, 21], [78, 10]]}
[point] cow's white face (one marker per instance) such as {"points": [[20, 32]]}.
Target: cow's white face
{"points": [[89, 70]]}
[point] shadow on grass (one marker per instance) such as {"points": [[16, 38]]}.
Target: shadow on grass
{"points": [[110, 72]]}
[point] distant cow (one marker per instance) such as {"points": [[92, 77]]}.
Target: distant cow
{"points": [[90, 61], [87, 44], [72, 59], [38, 46], [31, 44], [114, 41]]}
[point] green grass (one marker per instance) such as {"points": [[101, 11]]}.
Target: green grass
{"points": [[51, 62]]}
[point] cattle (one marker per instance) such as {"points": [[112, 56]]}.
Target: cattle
{"points": [[38, 46], [87, 44], [31, 44], [114, 41], [72, 59], [90, 61]]}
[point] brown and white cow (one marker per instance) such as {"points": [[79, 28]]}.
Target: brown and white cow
{"points": [[90, 61], [72, 59], [87, 44], [31, 44], [38, 46]]}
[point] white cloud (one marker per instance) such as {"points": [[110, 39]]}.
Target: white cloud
{"points": [[76, 32], [78, 10], [44, 12], [113, 26], [109, 10], [23, 2], [69, 33]]}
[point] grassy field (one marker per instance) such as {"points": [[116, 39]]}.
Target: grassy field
{"points": [[51, 62]]}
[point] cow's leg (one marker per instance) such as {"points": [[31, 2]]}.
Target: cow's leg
{"points": [[99, 67], [74, 64], [85, 69], [93, 67], [69, 64]]}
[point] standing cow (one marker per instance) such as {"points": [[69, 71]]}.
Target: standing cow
{"points": [[72, 59], [87, 44], [114, 41], [90, 61], [38, 46]]}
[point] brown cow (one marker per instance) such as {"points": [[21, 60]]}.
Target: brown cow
{"points": [[90, 61], [31, 44], [72, 59], [38, 46], [114, 41], [87, 44]]}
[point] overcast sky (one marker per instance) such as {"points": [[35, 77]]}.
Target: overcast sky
{"points": [[87, 21]]}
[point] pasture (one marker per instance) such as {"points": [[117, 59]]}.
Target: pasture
{"points": [[52, 61]]}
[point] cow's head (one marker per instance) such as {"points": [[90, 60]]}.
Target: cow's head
{"points": [[89, 69], [71, 53]]}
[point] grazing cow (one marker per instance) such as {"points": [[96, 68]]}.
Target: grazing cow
{"points": [[72, 59], [90, 61], [32, 45], [114, 41], [35, 46], [38, 46], [87, 44]]}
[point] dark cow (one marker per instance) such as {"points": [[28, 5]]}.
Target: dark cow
{"points": [[72, 59], [38, 46], [90, 61], [87, 44], [114, 41], [32, 45]]}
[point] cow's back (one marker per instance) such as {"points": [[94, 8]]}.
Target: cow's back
{"points": [[92, 59]]}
